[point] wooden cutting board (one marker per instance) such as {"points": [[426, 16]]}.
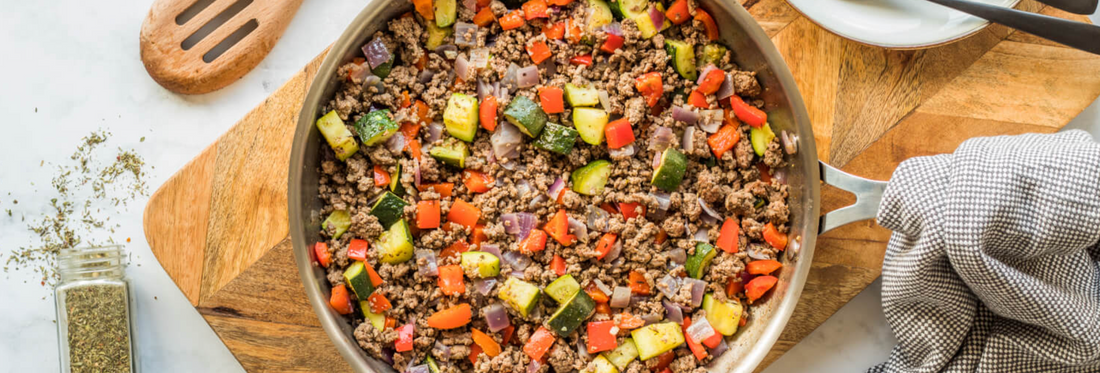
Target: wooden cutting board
{"points": [[219, 226]]}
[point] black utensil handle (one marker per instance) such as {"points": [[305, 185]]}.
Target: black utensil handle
{"points": [[1084, 7], [1078, 35]]}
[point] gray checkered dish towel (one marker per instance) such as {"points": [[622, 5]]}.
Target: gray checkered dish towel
{"points": [[993, 265]]}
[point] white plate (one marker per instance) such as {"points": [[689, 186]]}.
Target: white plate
{"points": [[903, 24]]}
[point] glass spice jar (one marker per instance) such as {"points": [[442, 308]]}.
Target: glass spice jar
{"points": [[93, 311]]}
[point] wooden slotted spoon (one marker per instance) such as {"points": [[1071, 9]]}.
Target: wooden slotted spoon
{"points": [[199, 46]]}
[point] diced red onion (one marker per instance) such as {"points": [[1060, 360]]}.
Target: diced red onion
{"points": [[376, 53], [605, 100], [726, 90], [523, 187], [683, 114], [534, 367], [661, 139], [491, 249], [527, 76], [516, 260], [431, 264], [698, 287], [374, 81], [358, 72], [465, 33], [664, 200], [623, 152], [674, 313], [449, 51], [638, 299], [700, 329], [720, 349], [441, 350], [757, 254], [479, 58], [497, 317], [582, 351], [519, 224], [793, 247], [425, 76], [484, 285], [701, 235], [506, 142], [780, 175], [396, 142], [688, 142], [548, 66], [614, 28], [387, 355], [790, 142], [603, 287], [469, 4], [596, 215], [678, 256], [509, 78], [435, 132], [708, 210], [657, 17], [616, 264], [620, 297], [711, 120], [462, 68], [577, 228], [484, 89], [537, 200], [422, 368], [651, 318], [657, 159], [416, 173], [615, 251], [555, 189], [668, 285], [702, 74]]}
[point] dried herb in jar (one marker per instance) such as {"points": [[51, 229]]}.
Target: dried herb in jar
{"points": [[98, 328]]}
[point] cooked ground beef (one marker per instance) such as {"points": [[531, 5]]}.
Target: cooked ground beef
{"points": [[652, 228]]}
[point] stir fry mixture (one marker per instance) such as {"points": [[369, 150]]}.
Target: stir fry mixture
{"points": [[550, 185]]}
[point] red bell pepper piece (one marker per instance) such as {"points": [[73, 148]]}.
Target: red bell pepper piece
{"points": [[630, 210], [729, 235], [748, 113], [405, 336], [698, 99], [381, 177], [696, 347], [455, 317], [484, 17], [558, 265], [554, 31], [535, 241], [759, 286], [512, 20], [558, 228], [678, 12], [551, 100], [607, 242], [357, 249], [488, 345], [619, 133], [708, 23], [539, 51], [613, 43], [638, 284], [539, 344], [324, 257], [478, 235], [763, 267], [535, 9], [712, 81], [595, 293], [450, 280], [464, 214], [487, 113], [585, 59], [339, 300], [777, 239], [650, 86], [427, 214], [600, 337], [733, 287], [477, 181], [724, 140], [378, 303]]}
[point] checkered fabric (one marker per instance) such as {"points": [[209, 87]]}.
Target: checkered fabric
{"points": [[993, 265]]}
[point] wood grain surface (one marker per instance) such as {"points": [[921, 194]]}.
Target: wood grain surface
{"points": [[185, 68], [219, 226]]}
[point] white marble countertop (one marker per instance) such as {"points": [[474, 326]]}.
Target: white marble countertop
{"points": [[73, 67]]}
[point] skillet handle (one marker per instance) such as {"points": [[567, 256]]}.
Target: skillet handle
{"points": [[868, 197]]}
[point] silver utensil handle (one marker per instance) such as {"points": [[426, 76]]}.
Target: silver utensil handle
{"points": [[868, 197], [1078, 35]]}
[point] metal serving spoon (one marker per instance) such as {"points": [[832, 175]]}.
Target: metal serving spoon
{"points": [[1085, 7], [1078, 35]]}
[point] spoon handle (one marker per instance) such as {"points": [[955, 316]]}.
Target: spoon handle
{"points": [[1078, 35], [1085, 7]]}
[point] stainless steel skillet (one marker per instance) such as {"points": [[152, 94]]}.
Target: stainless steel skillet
{"points": [[786, 111]]}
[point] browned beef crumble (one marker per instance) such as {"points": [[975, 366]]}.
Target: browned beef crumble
{"points": [[733, 186]]}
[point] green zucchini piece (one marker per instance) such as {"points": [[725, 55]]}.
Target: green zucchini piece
{"points": [[627, 9], [622, 356], [579, 96], [432, 366], [395, 182], [712, 55], [759, 203], [480, 264], [557, 138], [337, 135], [526, 115], [655, 339], [601, 365], [377, 320], [376, 127], [645, 25], [388, 209], [453, 152], [562, 288], [670, 173], [395, 245], [599, 15], [696, 264], [590, 123], [357, 279], [722, 316], [437, 35], [338, 219], [520, 295], [761, 137], [460, 116], [445, 12], [683, 58], [572, 313], [591, 179], [383, 70]]}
